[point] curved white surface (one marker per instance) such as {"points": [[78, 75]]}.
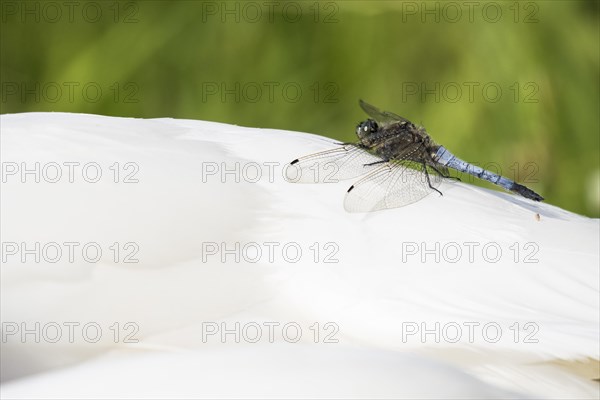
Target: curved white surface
{"points": [[494, 324]]}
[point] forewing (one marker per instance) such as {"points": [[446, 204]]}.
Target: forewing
{"points": [[383, 117], [345, 162], [395, 184]]}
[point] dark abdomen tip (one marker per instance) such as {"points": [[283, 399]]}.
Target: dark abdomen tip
{"points": [[526, 192]]}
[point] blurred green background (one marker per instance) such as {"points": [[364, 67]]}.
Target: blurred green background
{"points": [[512, 86]]}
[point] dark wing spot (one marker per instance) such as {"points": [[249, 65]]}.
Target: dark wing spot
{"points": [[294, 162], [351, 187]]}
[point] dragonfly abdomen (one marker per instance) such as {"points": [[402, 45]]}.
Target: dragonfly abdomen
{"points": [[446, 158]]}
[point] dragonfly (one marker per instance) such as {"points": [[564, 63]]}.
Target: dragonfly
{"points": [[400, 161]]}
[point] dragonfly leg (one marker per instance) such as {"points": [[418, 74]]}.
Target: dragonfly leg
{"points": [[456, 178], [359, 145], [442, 174], [428, 181], [375, 163]]}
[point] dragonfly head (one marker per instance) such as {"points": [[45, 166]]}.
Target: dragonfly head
{"points": [[366, 129]]}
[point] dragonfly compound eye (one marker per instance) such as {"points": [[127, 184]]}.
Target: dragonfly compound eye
{"points": [[366, 128], [372, 126]]}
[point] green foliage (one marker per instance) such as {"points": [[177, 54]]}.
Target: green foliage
{"points": [[183, 59]]}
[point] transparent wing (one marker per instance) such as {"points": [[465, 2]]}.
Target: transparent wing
{"points": [[395, 184], [345, 162], [383, 117]]}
